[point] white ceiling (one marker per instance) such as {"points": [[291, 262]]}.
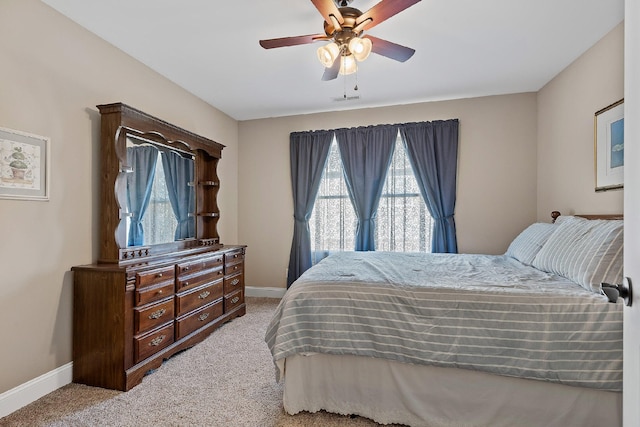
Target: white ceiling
{"points": [[464, 48]]}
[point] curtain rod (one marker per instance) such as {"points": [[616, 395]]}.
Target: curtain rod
{"points": [[374, 126]]}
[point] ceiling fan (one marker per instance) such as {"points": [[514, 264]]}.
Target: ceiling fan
{"points": [[343, 27]]}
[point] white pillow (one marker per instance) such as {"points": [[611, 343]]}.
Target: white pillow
{"points": [[526, 245], [587, 252]]}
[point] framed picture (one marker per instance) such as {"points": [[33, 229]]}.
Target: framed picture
{"points": [[609, 147], [24, 165]]}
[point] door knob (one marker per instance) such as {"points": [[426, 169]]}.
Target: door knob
{"points": [[624, 291]]}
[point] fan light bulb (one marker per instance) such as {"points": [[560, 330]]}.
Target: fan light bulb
{"points": [[328, 53], [360, 48], [348, 65]]}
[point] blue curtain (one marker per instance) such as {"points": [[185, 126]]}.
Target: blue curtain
{"points": [[432, 148], [366, 154], [142, 160], [309, 152], [178, 173]]}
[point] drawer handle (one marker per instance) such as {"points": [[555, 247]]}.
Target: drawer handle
{"points": [[159, 275], [235, 300], [235, 256], [203, 317], [185, 283], [235, 267], [185, 268], [159, 292], [157, 314], [220, 273], [235, 282], [204, 294], [157, 340]]}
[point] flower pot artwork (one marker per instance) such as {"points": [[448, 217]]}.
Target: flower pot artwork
{"points": [[18, 168], [19, 165], [24, 166]]}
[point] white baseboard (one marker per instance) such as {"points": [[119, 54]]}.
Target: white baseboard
{"points": [[257, 291], [22, 395]]}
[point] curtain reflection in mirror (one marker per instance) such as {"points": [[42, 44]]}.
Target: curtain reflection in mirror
{"points": [[161, 198], [178, 172], [159, 222], [143, 160]]}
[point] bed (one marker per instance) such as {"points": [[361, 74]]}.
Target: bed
{"points": [[526, 338]]}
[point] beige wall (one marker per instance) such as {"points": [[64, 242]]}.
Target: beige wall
{"points": [[52, 75], [496, 195], [566, 109]]}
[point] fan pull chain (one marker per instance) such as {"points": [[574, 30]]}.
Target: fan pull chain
{"points": [[356, 86], [344, 80]]}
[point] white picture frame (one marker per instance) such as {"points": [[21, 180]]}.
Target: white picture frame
{"points": [[24, 165], [609, 147]]}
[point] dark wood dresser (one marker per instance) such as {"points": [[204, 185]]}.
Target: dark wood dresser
{"points": [[140, 303], [128, 319]]}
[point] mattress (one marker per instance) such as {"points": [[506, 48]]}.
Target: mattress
{"points": [[485, 313]]}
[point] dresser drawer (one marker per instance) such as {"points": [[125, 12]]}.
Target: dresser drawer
{"points": [[155, 277], [155, 293], [194, 280], [234, 282], [198, 318], [233, 300], [234, 268], [198, 297], [152, 316], [188, 268], [151, 343], [233, 257]]}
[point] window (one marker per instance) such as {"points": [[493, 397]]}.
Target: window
{"points": [[403, 222], [333, 220]]}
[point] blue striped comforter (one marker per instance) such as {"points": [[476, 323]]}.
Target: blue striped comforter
{"points": [[484, 312]]}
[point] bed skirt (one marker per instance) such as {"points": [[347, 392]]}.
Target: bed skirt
{"points": [[393, 392]]}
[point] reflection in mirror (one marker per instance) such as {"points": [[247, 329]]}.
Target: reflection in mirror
{"points": [[160, 194]]}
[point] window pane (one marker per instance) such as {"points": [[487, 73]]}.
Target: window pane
{"points": [[333, 220], [403, 223]]}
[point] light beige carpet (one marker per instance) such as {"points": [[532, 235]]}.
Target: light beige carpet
{"points": [[227, 380]]}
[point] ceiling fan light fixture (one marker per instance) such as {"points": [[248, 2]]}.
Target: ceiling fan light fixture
{"points": [[343, 26], [360, 48], [348, 65], [328, 53]]}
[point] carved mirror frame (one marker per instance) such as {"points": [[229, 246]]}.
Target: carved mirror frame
{"points": [[120, 121]]}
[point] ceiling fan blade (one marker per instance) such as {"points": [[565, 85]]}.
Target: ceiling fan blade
{"points": [[331, 73], [390, 50], [292, 41], [382, 11], [327, 8]]}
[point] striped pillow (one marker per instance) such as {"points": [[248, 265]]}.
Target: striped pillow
{"points": [[527, 244], [587, 252]]}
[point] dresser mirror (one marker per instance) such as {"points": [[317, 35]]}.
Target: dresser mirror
{"points": [[159, 187], [160, 193]]}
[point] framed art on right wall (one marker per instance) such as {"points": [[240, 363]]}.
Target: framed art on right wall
{"points": [[609, 146]]}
